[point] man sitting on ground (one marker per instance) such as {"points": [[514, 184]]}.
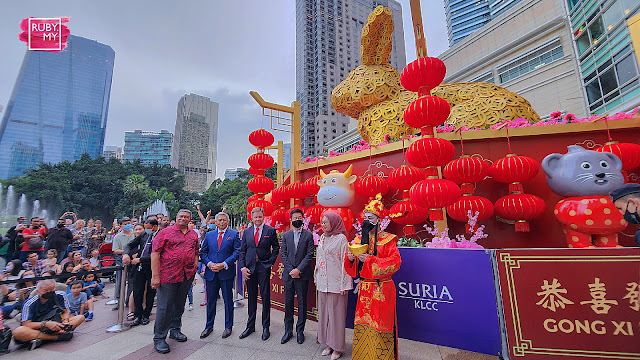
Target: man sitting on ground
{"points": [[46, 317]]}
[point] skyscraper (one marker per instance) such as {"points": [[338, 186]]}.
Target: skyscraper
{"points": [[58, 107], [328, 47], [147, 146], [195, 141], [464, 17], [112, 152]]}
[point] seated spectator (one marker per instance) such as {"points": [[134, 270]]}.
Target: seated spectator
{"points": [[69, 258], [46, 317], [91, 286], [50, 262], [33, 264], [94, 260], [18, 294], [85, 268], [77, 260], [79, 303], [33, 239], [59, 286]]}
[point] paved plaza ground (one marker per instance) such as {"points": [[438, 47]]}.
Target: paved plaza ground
{"points": [[92, 342]]}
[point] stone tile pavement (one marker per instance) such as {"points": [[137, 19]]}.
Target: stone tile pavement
{"points": [[91, 341]]}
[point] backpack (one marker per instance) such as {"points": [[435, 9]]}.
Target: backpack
{"points": [[35, 243]]}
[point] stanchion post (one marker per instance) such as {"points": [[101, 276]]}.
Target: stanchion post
{"points": [[236, 301], [123, 293]]}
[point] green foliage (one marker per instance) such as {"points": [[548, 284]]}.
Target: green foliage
{"points": [[409, 242]]}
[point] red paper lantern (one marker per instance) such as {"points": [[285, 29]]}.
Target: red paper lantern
{"points": [[514, 169], [298, 190], [408, 213], [404, 177], [260, 185], [627, 152], [260, 161], [466, 170], [459, 210], [370, 186], [256, 172], [427, 111], [280, 216], [303, 208], [345, 213], [435, 194], [253, 198], [312, 186], [520, 208], [261, 138], [315, 213], [265, 205], [423, 74], [428, 152]]}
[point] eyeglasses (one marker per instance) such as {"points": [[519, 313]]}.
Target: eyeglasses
{"points": [[325, 223]]}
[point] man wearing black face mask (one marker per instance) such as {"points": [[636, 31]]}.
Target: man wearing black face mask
{"points": [[59, 239], [627, 200], [296, 253]]}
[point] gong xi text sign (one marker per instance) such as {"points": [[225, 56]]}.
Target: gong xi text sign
{"points": [[571, 303]]}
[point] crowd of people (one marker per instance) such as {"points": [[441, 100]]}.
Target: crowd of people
{"points": [[163, 257]]}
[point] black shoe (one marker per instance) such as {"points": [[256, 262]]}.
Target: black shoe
{"points": [[205, 333], [300, 337], [34, 344], [226, 333], [161, 346], [286, 337], [247, 332], [65, 336], [115, 308], [177, 336], [137, 321], [144, 321], [265, 334]]}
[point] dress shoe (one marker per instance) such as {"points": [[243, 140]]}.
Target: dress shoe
{"points": [[144, 321], [177, 336], [246, 333], [161, 346], [300, 337], [226, 333], [265, 334], [205, 333], [286, 337], [136, 321]]}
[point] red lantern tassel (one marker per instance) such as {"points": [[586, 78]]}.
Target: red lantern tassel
{"points": [[522, 226], [435, 214], [409, 230], [467, 188], [516, 186]]}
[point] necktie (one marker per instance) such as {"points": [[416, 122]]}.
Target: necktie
{"points": [[147, 246], [220, 239], [257, 236], [296, 239]]}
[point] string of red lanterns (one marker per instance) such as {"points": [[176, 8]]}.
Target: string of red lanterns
{"points": [[259, 163]]}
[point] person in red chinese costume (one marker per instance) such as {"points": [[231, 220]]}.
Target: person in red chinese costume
{"points": [[375, 334]]}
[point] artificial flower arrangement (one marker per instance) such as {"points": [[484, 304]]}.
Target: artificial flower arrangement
{"points": [[441, 239]]}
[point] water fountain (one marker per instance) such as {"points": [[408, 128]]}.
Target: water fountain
{"points": [[11, 200], [36, 209], [22, 205], [158, 207]]}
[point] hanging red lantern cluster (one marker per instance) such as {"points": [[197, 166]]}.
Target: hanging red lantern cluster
{"points": [[259, 163], [517, 206], [406, 212], [426, 112], [467, 171], [629, 153], [370, 186], [314, 212]]}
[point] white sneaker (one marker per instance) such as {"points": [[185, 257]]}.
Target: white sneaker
{"points": [[190, 307]]}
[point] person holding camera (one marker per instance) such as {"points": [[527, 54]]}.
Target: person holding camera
{"points": [[45, 316]]}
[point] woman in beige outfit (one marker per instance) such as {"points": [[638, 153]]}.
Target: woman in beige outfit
{"points": [[332, 283]]}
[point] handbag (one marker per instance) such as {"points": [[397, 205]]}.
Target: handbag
{"points": [[54, 315]]}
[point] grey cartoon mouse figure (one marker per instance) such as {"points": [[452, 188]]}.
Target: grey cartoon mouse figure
{"points": [[586, 177]]}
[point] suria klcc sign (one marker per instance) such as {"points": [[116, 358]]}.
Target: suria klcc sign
{"points": [[45, 34], [425, 296]]}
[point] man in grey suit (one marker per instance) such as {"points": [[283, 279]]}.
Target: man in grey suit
{"points": [[296, 253]]}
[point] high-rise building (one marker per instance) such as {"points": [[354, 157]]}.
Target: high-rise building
{"points": [[147, 146], [195, 141], [112, 152], [328, 47], [58, 108], [232, 173], [464, 17]]}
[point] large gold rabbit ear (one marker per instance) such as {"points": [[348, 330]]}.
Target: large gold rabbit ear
{"points": [[375, 43]]}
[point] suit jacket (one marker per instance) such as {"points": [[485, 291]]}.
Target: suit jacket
{"points": [[263, 255], [228, 253], [136, 246], [300, 258]]}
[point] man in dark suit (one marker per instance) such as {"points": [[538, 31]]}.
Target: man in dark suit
{"points": [[219, 253], [258, 252], [296, 254]]}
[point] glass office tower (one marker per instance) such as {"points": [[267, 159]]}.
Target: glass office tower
{"points": [[58, 108]]}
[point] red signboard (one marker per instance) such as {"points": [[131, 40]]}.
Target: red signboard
{"points": [[571, 304]]}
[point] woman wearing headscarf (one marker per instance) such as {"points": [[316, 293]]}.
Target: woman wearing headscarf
{"points": [[375, 334], [332, 283]]}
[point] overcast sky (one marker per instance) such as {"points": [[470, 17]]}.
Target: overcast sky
{"points": [[216, 48]]}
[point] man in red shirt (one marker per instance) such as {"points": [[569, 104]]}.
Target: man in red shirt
{"points": [[34, 231], [174, 261]]}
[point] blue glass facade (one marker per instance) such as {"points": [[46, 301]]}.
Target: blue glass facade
{"points": [[148, 147], [464, 17], [58, 108]]}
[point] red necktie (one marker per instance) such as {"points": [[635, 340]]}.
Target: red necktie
{"points": [[257, 236], [219, 239]]}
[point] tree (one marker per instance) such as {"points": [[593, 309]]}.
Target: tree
{"points": [[136, 190]]}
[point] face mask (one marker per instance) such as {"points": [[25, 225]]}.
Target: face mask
{"points": [[211, 226], [296, 223], [60, 225], [8, 268], [127, 227], [36, 226], [631, 218], [367, 226], [49, 295], [148, 231]]}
